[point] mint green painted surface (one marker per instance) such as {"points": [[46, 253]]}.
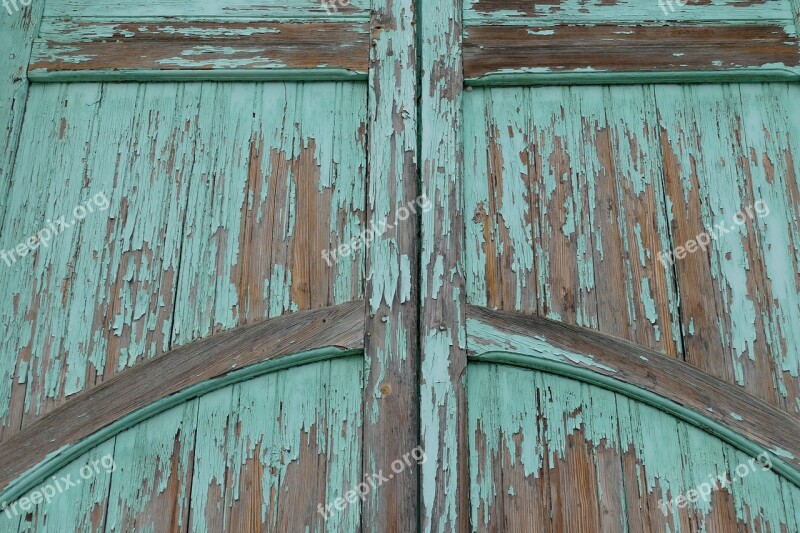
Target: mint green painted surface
{"points": [[523, 77], [16, 35], [164, 263], [192, 446], [516, 414], [560, 202], [600, 12], [145, 75], [442, 329], [567, 185], [203, 9], [754, 267]]}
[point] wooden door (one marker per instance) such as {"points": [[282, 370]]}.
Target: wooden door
{"points": [[400, 266]]}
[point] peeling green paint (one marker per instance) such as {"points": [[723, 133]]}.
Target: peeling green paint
{"points": [[522, 413], [200, 432]]}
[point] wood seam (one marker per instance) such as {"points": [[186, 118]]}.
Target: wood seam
{"points": [[584, 350], [338, 329]]}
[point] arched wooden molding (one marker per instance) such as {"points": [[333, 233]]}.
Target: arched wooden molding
{"points": [[147, 389], [687, 392]]}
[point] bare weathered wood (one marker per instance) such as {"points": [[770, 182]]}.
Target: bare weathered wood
{"points": [[528, 12], [17, 30], [85, 46], [88, 412], [627, 48], [646, 369], [444, 500], [391, 400], [533, 431], [210, 9]]}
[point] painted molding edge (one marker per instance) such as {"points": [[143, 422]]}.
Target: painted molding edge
{"points": [[62, 457], [663, 382], [523, 77], [690, 416], [150, 388], [146, 75]]}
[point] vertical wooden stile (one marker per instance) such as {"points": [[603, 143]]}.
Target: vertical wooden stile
{"points": [[444, 496], [391, 399]]}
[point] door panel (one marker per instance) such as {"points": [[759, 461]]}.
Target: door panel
{"points": [[219, 199], [253, 456], [549, 453], [577, 192]]}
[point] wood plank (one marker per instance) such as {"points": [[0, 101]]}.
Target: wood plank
{"points": [[391, 399], [635, 365], [525, 13], [269, 473], [444, 476], [565, 197], [86, 47], [605, 49], [184, 9], [95, 299], [739, 295], [289, 453], [340, 326], [532, 431], [292, 174], [81, 507], [17, 32]]}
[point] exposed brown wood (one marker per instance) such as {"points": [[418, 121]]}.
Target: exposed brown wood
{"points": [[443, 359], [88, 412], [18, 33], [170, 45], [626, 48], [391, 346], [674, 380]]}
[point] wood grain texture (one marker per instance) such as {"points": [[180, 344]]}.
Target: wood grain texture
{"points": [[574, 195], [17, 31], [246, 480], [564, 196], [795, 6], [550, 437], [740, 298], [208, 9], [634, 48], [273, 177], [84, 46], [443, 359], [630, 363], [528, 13], [391, 396], [338, 326]]}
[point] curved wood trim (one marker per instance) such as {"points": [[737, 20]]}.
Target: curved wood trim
{"points": [[716, 406], [183, 373]]}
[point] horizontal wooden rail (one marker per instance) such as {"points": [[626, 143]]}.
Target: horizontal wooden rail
{"points": [[650, 53], [76, 50], [723, 405], [340, 327]]}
